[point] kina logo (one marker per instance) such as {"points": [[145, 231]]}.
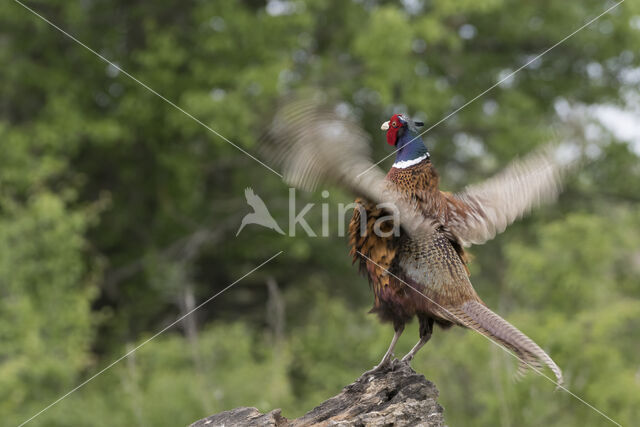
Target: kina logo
{"points": [[260, 214]]}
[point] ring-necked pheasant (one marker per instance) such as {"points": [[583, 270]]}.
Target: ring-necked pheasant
{"points": [[420, 271]]}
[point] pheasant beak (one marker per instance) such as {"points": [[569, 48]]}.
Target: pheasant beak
{"points": [[385, 126]]}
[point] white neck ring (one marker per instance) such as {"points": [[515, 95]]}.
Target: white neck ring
{"points": [[407, 163]]}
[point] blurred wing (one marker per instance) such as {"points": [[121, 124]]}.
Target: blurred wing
{"points": [[313, 144], [483, 210]]}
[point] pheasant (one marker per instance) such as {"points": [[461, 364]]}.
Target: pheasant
{"points": [[418, 269]]}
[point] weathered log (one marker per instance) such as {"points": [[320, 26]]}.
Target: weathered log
{"points": [[395, 396]]}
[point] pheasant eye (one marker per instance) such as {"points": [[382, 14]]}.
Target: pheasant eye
{"points": [[394, 124]]}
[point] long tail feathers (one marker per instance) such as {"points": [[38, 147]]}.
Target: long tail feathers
{"points": [[477, 316]]}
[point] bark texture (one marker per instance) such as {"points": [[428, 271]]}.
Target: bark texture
{"points": [[396, 396]]}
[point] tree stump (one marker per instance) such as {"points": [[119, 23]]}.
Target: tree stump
{"points": [[395, 396]]}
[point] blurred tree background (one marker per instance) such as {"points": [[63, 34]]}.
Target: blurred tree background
{"points": [[118, 213]]}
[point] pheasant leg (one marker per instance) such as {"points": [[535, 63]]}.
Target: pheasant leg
{"points": [[389, 354], [426, 327]]}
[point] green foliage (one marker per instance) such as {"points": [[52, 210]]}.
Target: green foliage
{"points": [[117, 211], [47, 324]]}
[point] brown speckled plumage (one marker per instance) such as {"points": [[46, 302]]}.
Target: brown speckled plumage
{"points": [[435, 268], [422, 272]]}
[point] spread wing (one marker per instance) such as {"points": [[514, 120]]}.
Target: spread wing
{"points": [[313, 144], [483, 210]]}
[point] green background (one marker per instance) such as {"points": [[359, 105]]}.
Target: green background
{"points": [[118, 213]]}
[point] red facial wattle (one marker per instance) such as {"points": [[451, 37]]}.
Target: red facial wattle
{"points": [[394, 127]]}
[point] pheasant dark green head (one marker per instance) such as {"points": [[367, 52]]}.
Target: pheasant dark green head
{"points": [[402, 133]]}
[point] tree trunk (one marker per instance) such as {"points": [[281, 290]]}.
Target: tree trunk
{"points": [[396, 396]]}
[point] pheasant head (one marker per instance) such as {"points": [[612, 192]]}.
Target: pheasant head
{"points": [[403, 134]]}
